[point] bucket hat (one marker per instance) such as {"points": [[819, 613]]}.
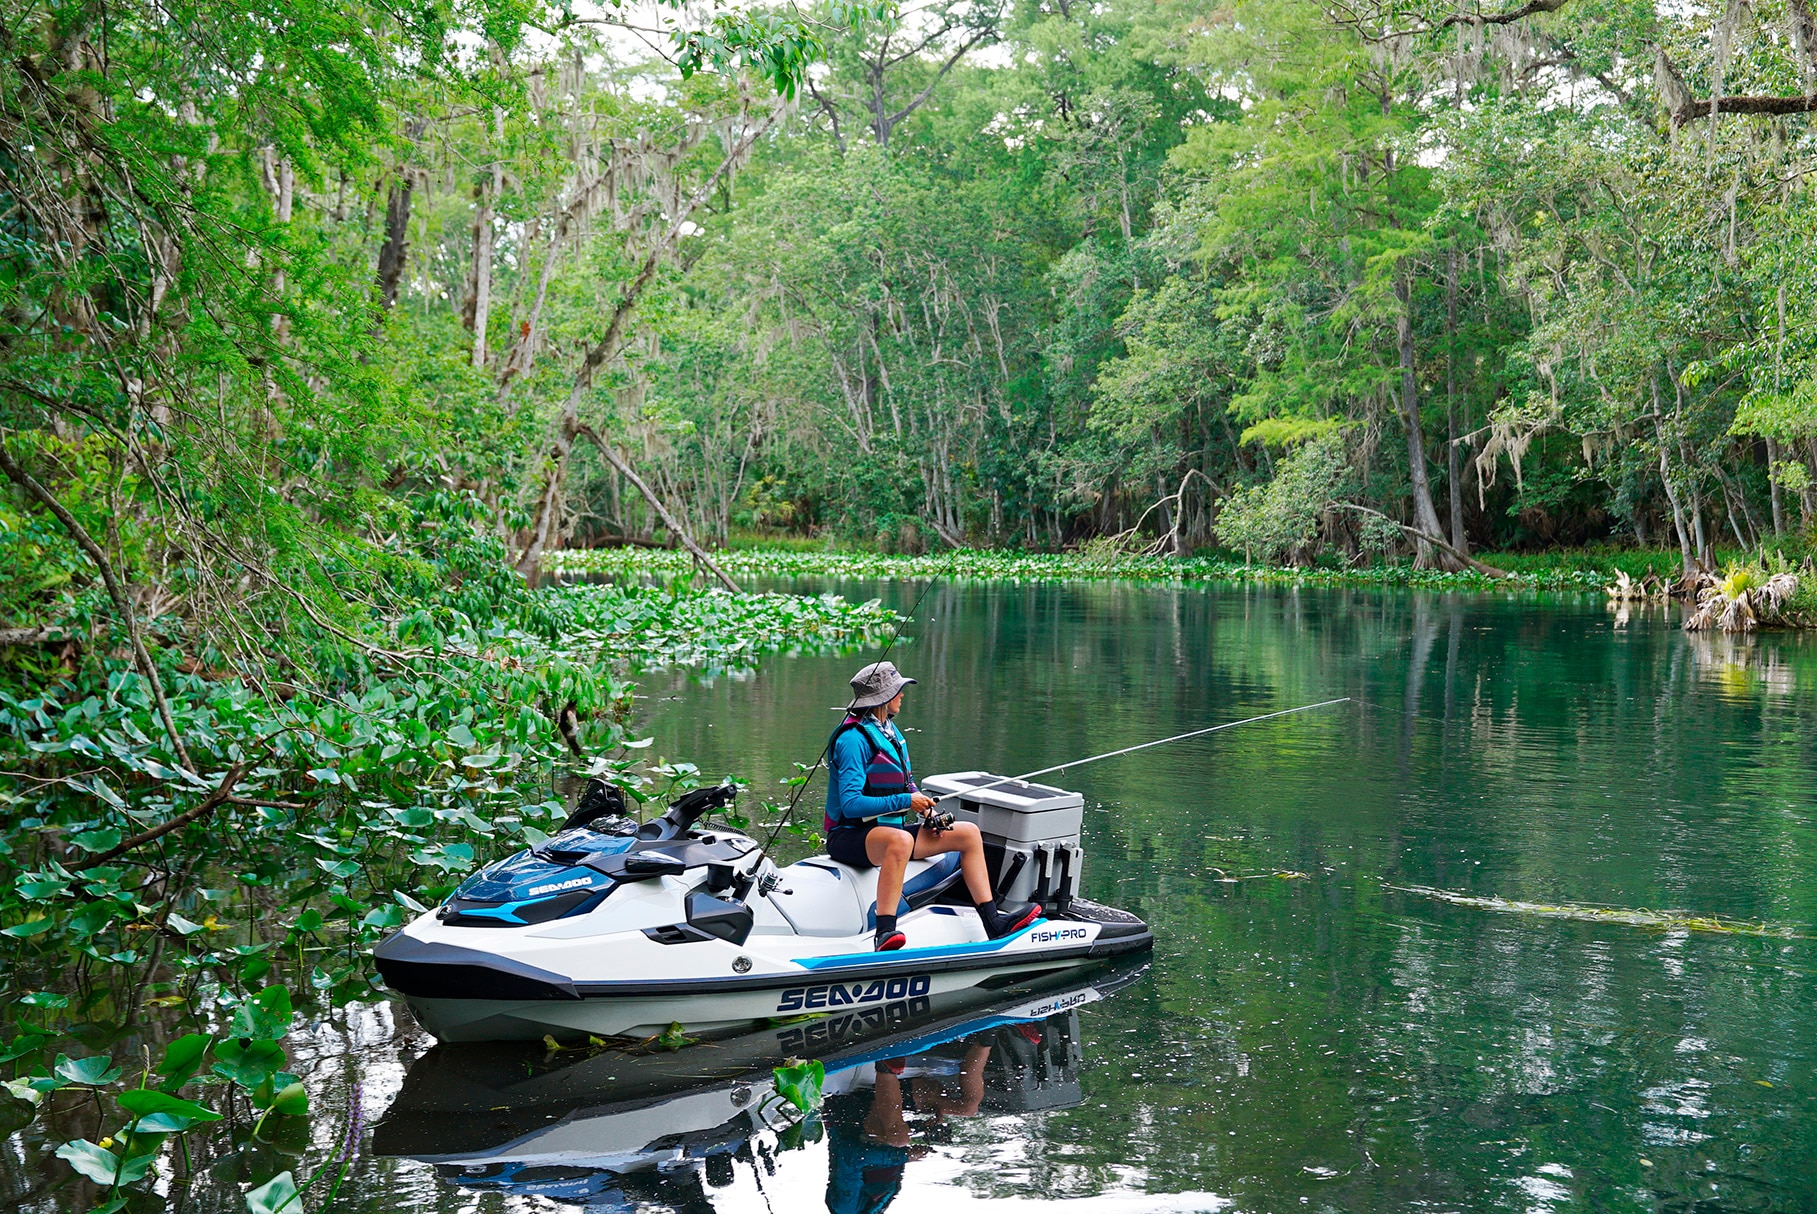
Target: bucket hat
{"points": [[877, 684]]}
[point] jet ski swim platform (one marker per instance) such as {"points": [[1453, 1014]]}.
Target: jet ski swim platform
{"points": [[612, 928]]}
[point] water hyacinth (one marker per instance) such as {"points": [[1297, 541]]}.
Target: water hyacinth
{"points": [[1099, 563]]}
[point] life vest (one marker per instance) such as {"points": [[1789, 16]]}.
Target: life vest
{"points": [[886, 774]]}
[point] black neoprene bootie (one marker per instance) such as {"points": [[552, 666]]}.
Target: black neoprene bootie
{"points": [[1001, 921], [889, 939]]}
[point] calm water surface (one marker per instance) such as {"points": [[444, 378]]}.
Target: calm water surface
{"points": [[1306, 1036]]}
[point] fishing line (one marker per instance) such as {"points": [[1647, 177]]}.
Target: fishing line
{"points": [[812, 771], [1179, 737]]}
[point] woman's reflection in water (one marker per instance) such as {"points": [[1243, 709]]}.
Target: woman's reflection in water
{"points": [[870, 1135]]}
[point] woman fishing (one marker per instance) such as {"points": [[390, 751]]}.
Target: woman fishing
{"points": [[876, 817]]}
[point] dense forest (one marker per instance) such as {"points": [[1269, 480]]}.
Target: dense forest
{"points": [[1268, 276]]}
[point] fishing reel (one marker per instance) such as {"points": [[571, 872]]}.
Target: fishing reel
{"points": [[939, 823]]}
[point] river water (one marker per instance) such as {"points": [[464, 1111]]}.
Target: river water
{"points": [[1330, 1042], [1308, 1034]]}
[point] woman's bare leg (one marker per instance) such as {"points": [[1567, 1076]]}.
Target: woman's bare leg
{"points": [[889, 849], [963, 838]]}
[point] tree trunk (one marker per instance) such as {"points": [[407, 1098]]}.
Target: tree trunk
{"points": [[1772, 443], [1687, 562], [1454, 463], [477, 314], [679, 532], [1427, 555], [397, 230], [1773, 482]]}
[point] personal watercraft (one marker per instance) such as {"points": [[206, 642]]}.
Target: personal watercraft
{"points": [[620, 1129], [617, 928]]}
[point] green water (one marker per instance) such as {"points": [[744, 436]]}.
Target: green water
{"points": [[1331, 1043], [1318, 1042]]}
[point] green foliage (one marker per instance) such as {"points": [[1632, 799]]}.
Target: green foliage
{"points": [[1282, 517], [1586, 571], [360, 803], [799, 1083]]}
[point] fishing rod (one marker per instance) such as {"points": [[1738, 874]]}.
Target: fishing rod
{"points": [[1179, 737], [814, 770]]}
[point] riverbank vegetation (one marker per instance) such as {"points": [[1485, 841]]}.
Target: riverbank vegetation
{"points": [[190, 861], [1581, 570]]}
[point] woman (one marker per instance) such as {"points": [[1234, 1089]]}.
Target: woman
{"points": [[876, 817]]}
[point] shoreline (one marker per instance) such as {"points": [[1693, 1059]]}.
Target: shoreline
{"points": [[1591, 575]]}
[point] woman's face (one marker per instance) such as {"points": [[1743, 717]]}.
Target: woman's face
{"points": [[893, 707]]}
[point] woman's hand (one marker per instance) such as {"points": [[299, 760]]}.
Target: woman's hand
{"points": [[920, 802]]}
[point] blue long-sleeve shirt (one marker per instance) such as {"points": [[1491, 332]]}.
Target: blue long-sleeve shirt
{"points": [[846, 803]]}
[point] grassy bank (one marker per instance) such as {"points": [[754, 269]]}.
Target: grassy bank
{"points": [[1580, 570]]}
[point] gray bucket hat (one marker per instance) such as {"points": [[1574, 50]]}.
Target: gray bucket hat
{"points": [[877, 684]]}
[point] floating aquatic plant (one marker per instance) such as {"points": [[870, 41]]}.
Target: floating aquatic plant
{"points": [[1093, 564], [1627, 917]]}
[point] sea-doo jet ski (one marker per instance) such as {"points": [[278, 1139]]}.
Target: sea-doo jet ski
{"points": [[615, 928], [619, 1129]]}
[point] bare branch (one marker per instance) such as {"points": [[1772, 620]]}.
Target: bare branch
{"points": [[1489, 570], [221, 795], [115, 590]]}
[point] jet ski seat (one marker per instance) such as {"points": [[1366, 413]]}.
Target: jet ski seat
{"points": [[823, 896]]}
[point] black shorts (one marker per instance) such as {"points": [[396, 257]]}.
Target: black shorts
{"points": [[846, 843]]}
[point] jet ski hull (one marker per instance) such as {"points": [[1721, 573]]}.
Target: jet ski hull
{"points": [[448, 988]]}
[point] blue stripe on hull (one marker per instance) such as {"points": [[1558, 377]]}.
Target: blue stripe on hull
{"points": [[930, 953]]}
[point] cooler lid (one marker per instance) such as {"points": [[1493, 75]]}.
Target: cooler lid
{"points": [[986, 789]]}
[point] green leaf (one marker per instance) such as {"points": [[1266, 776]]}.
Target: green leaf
{"points": [[325, 775], [144, 1102], [31, 927], [266, 1017], [101, 1165], [414, 817], [22, 1045], [278, 1193], [291, 1100], [800, 1083], [90, 1072], [248, 1063], [42, 891], [96, 840], [309, 921], [23, 1090], [100, 789], [462, 737], [341, 869], [182, 1059], [45, 999], [183, 927], [384, 917]]}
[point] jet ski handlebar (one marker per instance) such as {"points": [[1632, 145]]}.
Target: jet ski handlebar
{"points": [[682, 815], [602, 800]]}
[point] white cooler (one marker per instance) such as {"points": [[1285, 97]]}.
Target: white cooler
{"points": [[1031, 832]]}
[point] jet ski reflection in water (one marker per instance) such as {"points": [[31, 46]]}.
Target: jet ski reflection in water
{"points": [[621, 1129]]}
